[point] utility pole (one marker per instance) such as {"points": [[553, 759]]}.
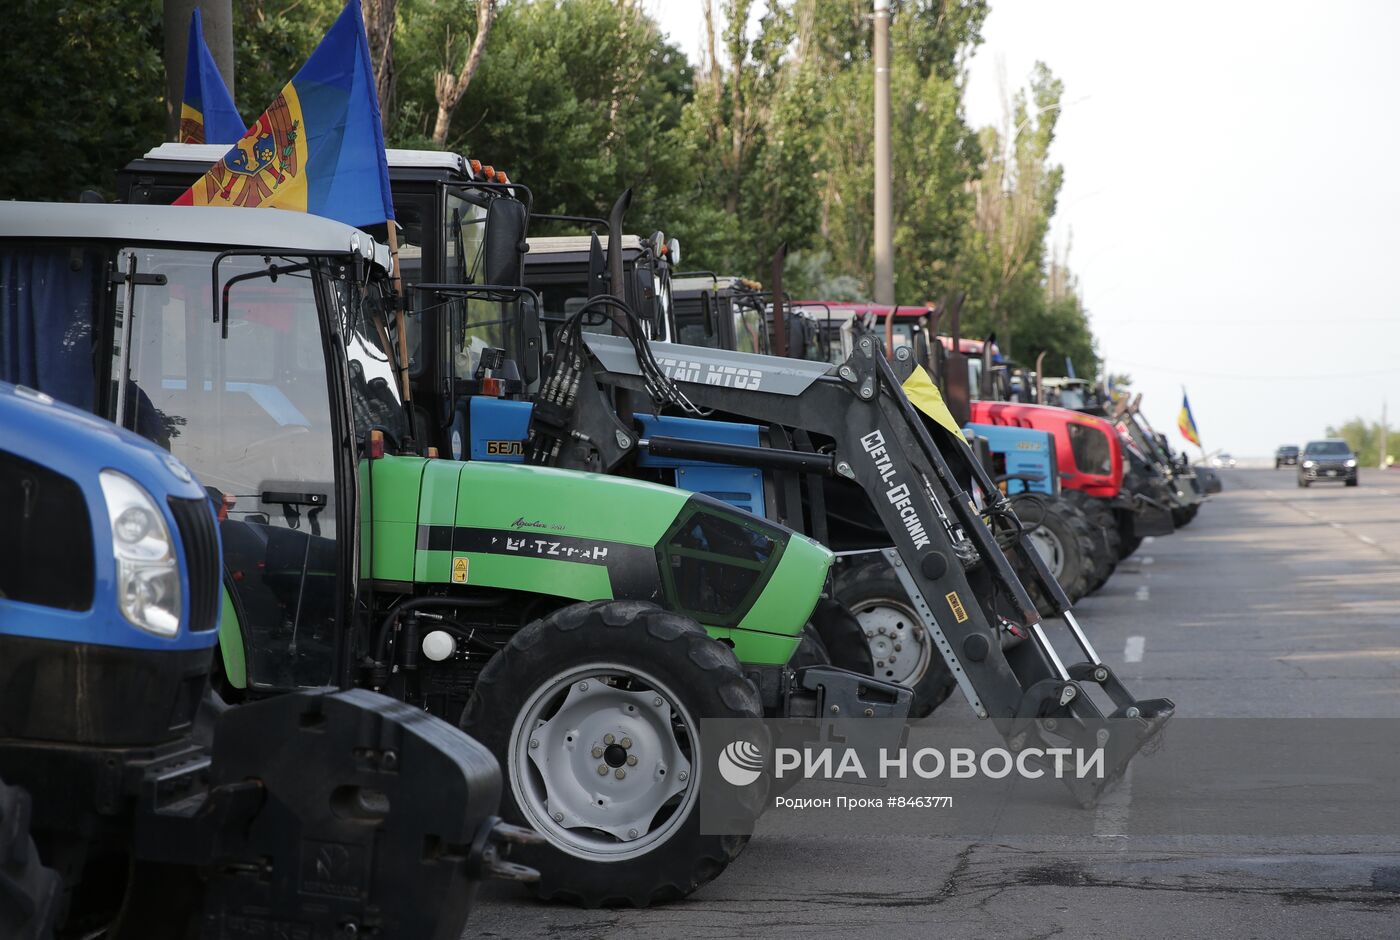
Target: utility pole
{"points": [[218, 34], [1384, 431], [884, 210]]}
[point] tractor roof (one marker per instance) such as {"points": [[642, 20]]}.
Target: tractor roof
{"points": [[699, 282], [570, 244], [215, 227], [209, 154]]}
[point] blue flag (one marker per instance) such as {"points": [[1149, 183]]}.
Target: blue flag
{"points": [[319, 148], [207, 114]]}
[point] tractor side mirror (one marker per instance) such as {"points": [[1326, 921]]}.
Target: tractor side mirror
{"points": [[643, 295], [503, 256]]}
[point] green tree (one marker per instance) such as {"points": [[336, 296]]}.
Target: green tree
{"points": [[84, 92], [576, 100], [1364, 438], [272, 39], [1017, 289]]}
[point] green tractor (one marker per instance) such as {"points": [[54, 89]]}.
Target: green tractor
{"points": [[581, 626]]}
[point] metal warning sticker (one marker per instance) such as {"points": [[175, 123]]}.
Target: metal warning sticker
{"points": [[459, 570], [955, 604]]}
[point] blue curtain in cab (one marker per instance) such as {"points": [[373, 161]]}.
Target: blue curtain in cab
{"points": [[48, 297]]}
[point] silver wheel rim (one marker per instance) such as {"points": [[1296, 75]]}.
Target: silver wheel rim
{"points": [[1047, 543], [596, 716], [898, 642]]}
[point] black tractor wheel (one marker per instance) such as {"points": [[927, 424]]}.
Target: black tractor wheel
{"points": [[811, 650], [900, 648], [1104, 528], [842, 637], [593, 713], [30, 894], [1062, 536], [1353, 481]]}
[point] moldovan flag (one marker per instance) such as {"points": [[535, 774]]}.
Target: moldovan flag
{"points": [[207, 114], [320, 147], [1186, 423]]}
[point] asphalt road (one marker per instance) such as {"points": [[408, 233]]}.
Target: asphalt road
{"points": [[1274, 616]]}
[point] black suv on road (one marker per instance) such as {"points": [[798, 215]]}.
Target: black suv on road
{"points": [[1287, 454], [1327, 460]]}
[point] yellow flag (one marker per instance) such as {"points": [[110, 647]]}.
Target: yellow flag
{"points": [[924, 395]]}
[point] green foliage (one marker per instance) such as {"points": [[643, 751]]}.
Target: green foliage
{"points": [[84, 89], [1364, 438], [272, 39]]}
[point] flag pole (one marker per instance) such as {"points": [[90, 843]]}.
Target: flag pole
{"points": [[392, 227]]}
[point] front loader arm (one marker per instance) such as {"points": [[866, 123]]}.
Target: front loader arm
{"points": [[942, 550]]}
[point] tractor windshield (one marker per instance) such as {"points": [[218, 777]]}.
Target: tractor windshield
{"points": [[242, 394], [247, 404]]}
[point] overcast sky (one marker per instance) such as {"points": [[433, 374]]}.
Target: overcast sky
{"points": [[1231, 189]]}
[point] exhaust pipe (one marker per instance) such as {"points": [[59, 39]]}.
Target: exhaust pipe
{"points": [[780, 345], [617, 285]]}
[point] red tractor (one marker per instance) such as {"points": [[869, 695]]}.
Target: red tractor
{"points": [[1092, 466]]}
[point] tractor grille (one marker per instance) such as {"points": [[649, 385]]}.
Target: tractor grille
{"points": [[195, 519]]}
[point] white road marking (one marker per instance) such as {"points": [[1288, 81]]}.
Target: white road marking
{"points": [[1368, 540], [1149, 540], [1143, 593], [1148, 560], [1111, 813], [1336, 525], [1132, 650]]}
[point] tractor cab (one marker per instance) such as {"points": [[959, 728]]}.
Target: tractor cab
{"points": [[567, 270], [459, 224], [261, 361], [720, 312], [1075, 394]]}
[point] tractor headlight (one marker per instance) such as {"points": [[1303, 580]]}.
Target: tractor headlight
{"points": [[1309, 463], [1352, 462], [148, 579]]}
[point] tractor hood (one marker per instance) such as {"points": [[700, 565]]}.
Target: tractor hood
{"points": [[583, 536]]}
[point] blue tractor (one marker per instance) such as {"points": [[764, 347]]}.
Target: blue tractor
{"points": [[132, 801], [1024, 462]]}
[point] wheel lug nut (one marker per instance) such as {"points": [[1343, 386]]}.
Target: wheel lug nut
{"points": [[534, 743], [656, 701], [619, 773], [682, 776], [870, 634], [631, 760], [602, 770], [631, 833], [558, 817], [608, 739], [898, 647], [882, 631], [626, 742], [583, 686], [597, 750], [880, 663]]}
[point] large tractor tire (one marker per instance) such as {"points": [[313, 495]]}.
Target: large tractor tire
{"points": [[1105, 531], [31, 895], [593, 713], [900, 647], [1065, 541], [842, 637]]}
